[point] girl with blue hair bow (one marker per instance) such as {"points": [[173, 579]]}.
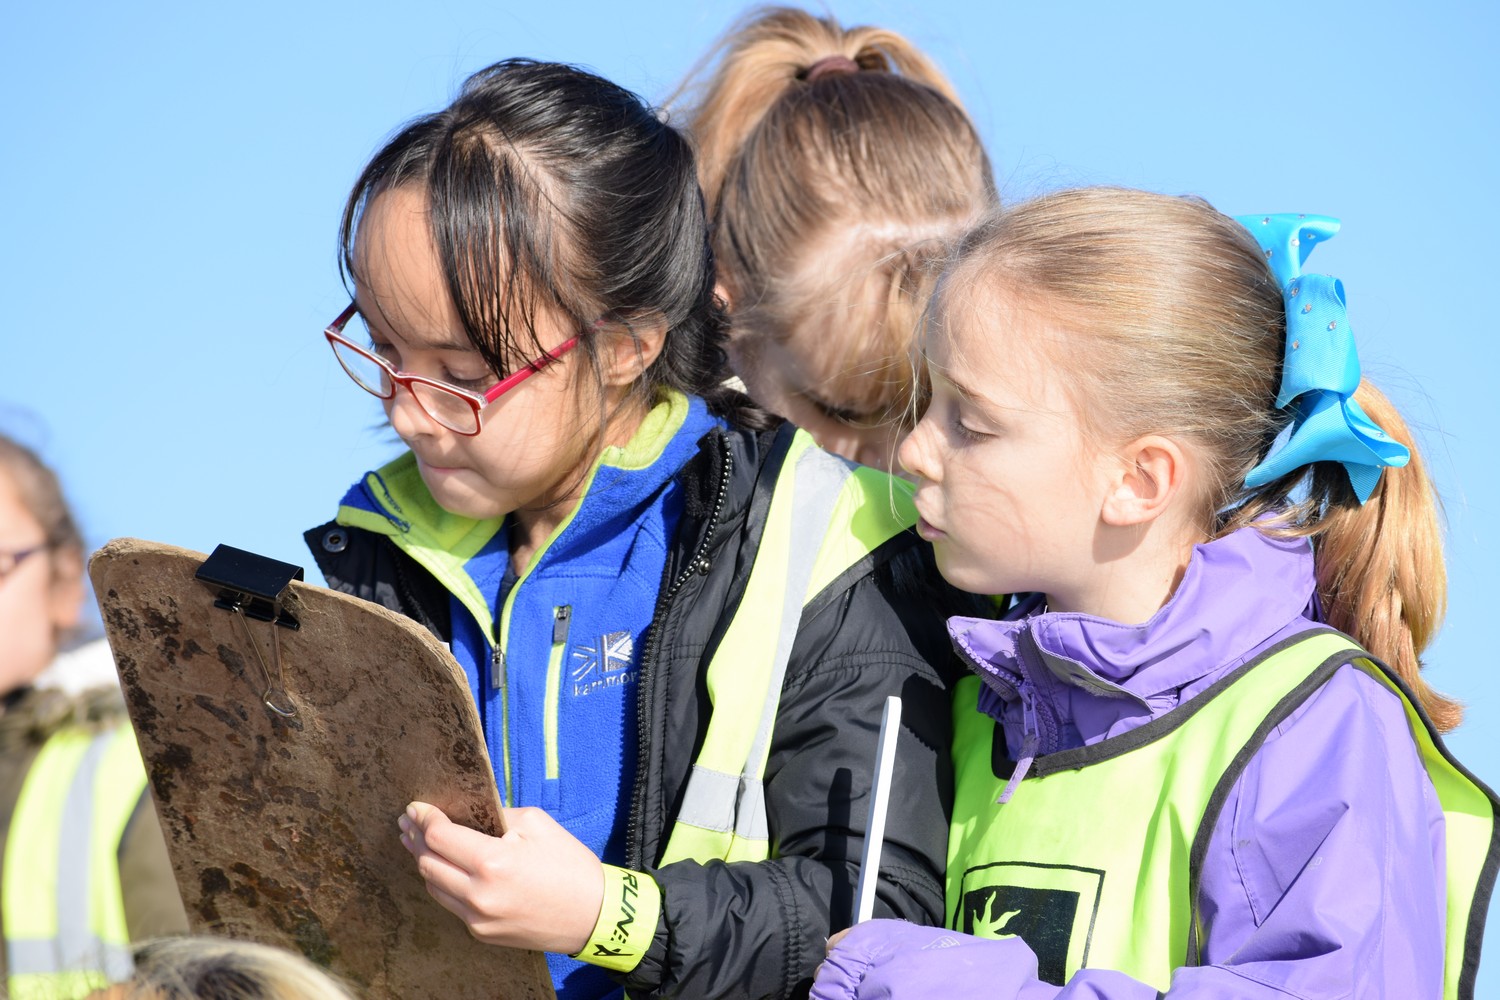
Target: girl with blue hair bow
{"points": [[1196, 757]]}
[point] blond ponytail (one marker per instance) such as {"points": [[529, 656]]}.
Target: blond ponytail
{"points": [[769, 51], [837, 163], [1380, 565]]}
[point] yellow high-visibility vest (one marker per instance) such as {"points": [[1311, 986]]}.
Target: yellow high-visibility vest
{"points": [[64, 914], [1094, 861], [826, 514]]}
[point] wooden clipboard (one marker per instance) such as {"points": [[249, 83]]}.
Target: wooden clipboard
{"points": [[281, 754]]}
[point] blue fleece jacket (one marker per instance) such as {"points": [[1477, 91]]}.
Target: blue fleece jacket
{"points": [[552, 662]]}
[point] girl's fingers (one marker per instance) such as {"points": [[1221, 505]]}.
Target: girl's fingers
{"points": [[455, 906], [460, 865], [461, 845], [411, 835], [442, 874], [439, 871], [536, 887]]}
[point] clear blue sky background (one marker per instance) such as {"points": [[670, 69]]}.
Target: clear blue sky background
{"points": [[173, 175]]}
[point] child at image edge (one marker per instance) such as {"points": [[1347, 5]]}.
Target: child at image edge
{"points": [[679, 620], [1173, 776]]}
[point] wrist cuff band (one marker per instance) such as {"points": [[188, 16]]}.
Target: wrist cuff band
{"points": [[627, 921]]}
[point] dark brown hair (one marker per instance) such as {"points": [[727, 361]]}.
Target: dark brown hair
{"points": [[552, 188], [42, 496]]}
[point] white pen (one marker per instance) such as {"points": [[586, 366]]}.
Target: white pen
{"points": [[880, 794]]}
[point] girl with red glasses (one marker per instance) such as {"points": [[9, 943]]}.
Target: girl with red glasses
{"points": [[679, 619]]}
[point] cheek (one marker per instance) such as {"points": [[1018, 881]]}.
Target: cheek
{"points": [[528, 436], [28, 623], [990, 490]]}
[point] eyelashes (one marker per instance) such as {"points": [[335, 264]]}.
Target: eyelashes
{"points": [[966, 432], [387, 352]]}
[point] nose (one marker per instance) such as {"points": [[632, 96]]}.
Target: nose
{"points": [[915, 454], [406, 415]]}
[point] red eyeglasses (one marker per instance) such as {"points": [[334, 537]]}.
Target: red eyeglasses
{"points": [[459, 410]]}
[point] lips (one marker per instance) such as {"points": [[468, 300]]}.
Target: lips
{"points": [[927, 531], [427, 466]]}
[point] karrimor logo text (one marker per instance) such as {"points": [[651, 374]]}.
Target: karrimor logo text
{"points": [[1050, 907], [603, 665]]}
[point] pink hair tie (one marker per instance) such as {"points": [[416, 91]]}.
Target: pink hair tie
{"points": [[830, 66]]}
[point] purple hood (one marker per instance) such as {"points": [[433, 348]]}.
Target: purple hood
{"points": [[1323, 877], [1088, 679]]}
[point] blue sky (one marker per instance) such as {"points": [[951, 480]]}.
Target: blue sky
{"points": [[175, 176]]}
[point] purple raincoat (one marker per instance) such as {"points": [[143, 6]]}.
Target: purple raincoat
{"points": [[1324, 875]]}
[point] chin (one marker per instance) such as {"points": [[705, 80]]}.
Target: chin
{"points": [[462, 500], [979, 575], [960, 572]]}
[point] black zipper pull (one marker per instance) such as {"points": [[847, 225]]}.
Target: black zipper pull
{"points": [[497, 669], [560, 620]]}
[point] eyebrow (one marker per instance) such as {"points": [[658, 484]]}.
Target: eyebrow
{"points": [[836, 409], [968, 394]]}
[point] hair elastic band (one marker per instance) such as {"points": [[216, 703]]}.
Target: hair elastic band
{"points": [[1320, 367], [830, 66]]}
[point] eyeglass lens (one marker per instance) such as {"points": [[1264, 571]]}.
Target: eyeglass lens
{"points": [[10, 561], [453, 412], [448, 409], [370, 376]]}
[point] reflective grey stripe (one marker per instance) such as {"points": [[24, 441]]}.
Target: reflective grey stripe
{"points": [[820, 479], [76, 948], [709, 799], [75, 938], [723, 802]]}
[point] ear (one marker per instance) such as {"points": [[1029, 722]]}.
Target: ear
{"points": [[627, 349], [726, 301], [1148, 479]]}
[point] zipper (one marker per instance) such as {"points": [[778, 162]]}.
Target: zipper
{"points": [[562, 619], [499, 681], [698, 562], [1044, 723], [1030, 740]]}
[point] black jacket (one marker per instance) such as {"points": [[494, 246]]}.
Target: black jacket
{"points": [[759, 929]]}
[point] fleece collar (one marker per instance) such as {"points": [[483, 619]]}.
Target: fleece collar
{"points": [[393, 501]]}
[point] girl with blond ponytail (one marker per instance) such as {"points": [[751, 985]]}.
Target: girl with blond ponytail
{"points": [[836, 162], [1197, 758]]}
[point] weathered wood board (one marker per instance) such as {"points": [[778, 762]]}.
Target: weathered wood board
{"points": [[283, 829]]}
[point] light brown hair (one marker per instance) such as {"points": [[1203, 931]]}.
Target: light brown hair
{"points": [[821, 143], [41, 494], [1177, 327]]}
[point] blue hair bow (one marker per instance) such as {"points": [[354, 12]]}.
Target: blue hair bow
{"points": [[1320, 370]]}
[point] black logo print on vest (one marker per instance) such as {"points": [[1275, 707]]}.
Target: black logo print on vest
{"points": [[1050, 907]]}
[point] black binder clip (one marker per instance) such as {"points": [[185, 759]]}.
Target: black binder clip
{"points": [[253, 586]]}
